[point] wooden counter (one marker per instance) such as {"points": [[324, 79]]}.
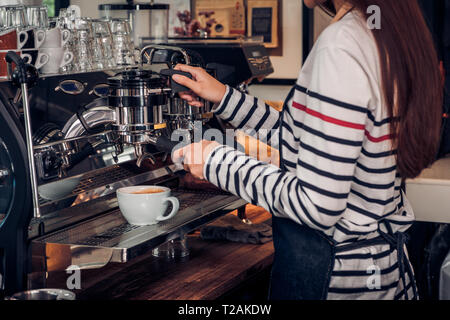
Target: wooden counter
{"points": [[212, 271]]}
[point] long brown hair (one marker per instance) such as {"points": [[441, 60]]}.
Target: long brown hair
{"points": [[411, 81]]}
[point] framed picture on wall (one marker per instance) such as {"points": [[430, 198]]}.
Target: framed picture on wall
{"points": [[175, 7], [263, 20]]}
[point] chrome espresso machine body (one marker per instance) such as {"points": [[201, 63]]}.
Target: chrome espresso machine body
{"points": [[92, 133]]}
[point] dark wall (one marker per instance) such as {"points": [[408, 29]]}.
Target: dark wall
{"points": [[437, 14], [61, 4]]}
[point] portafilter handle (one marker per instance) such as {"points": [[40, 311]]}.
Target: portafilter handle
{"points": [[166, 145], [175, 86]]}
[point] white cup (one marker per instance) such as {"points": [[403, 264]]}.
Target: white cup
{"points": [[36, 57], [56, 38], [4, 66], [42, 60], [146, 208], [39, 38], [59, 58], [11, 39], [21, 35], [37, 35]]}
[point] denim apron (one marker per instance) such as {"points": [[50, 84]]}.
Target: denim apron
{"points": [[304, 260]]}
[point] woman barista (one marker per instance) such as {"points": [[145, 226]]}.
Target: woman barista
{"points": [[363, 116]]}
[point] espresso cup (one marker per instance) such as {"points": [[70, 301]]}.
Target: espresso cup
{"points": [[56, 38], [59, 58], [37, 59], [10, 39], [142, 208], [35, 39]]}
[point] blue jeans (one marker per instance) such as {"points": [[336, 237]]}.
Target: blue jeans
{"points": [[304, 260]]}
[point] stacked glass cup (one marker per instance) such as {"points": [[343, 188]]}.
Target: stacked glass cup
{"points": [[103, 50], [123, 46]]}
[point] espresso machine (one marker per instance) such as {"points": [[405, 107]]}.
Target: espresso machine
{"points": [[88, 135], [235, 61]]}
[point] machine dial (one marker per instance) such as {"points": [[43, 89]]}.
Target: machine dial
{"points": [[72, 87]]}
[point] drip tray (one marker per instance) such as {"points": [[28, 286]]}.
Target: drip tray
{"points": [[109, 238]]}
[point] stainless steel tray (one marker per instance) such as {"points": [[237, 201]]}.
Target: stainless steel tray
{"points": [[109, 238]]}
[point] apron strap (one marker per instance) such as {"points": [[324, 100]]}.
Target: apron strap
{"points": [[397, 241]]}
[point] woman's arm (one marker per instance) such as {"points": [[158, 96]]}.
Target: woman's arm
{"points": [[251, 115], [244, 112]]}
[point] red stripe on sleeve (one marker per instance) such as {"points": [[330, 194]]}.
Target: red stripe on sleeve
{"points": [[323, 117], [379, 139]]}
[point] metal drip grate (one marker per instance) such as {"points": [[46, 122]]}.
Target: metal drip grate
{"points": [[188, 199], [196, 197], [103, 177], [108, 235], [111, 231]]}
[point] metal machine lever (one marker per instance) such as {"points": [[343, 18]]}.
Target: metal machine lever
{"points": [[23, 76]]}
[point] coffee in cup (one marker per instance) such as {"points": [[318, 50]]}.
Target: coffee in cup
{"points": [[146, 205], [149, 191]]}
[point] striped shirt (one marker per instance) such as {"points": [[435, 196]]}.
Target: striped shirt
{"points": [[338, 170]]}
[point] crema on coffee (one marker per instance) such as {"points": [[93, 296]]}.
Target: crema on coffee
{"points": [[148, 191]]}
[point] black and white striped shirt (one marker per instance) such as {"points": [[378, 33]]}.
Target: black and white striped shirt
{"points": [[338, 171]]}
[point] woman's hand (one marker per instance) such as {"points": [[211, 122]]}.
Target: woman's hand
{"points": [[194, 157], [203, 85]]}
